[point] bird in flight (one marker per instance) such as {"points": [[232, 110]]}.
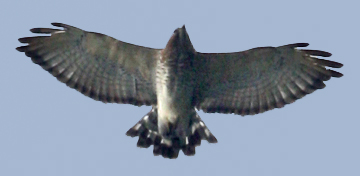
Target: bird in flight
{"points": [[177, 80]]}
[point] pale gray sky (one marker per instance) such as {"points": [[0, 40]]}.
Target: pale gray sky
{"points": [[48, 129]]}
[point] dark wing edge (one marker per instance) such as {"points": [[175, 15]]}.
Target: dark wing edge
{"points": [[98, 66], [261, 79]]}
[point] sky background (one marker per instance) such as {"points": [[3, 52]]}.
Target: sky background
{"points": [[48, 129]]}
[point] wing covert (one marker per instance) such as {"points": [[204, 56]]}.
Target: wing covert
{"points": [[97, 65], [260, 79]]}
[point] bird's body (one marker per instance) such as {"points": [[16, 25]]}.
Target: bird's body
{"points": [[177, 79]]}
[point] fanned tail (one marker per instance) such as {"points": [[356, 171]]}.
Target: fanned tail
{"points": [[148, 133]]}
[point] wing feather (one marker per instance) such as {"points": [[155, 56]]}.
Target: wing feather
{"points": [[260, 79], [96, 65]]}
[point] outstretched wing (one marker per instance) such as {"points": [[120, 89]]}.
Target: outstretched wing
{"points": [[260, 79], [97, 65]]}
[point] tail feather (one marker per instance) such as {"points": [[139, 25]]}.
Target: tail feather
{"points": [[147, 131]]}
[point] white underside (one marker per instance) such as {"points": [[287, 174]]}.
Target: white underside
{"points": [[165, 98]]}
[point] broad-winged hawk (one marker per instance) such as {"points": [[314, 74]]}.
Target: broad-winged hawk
{"points": [[177, 79]]}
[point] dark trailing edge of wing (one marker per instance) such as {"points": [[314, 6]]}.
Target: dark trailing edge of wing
{"points": [[32, 50], [318, 74]]}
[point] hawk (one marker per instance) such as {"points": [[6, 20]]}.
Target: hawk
{"points": [[177, 80]]}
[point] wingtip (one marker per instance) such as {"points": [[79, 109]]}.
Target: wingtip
{"points": [[57, 24], [302, 44], [317, 53], [336, 74], [23, 40], [337, 64], [295, 45], [43, 30], [340, 65], [20, 48], [62, 25]]}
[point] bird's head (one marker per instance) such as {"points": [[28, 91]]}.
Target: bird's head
{"points": [[179, 43]]}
